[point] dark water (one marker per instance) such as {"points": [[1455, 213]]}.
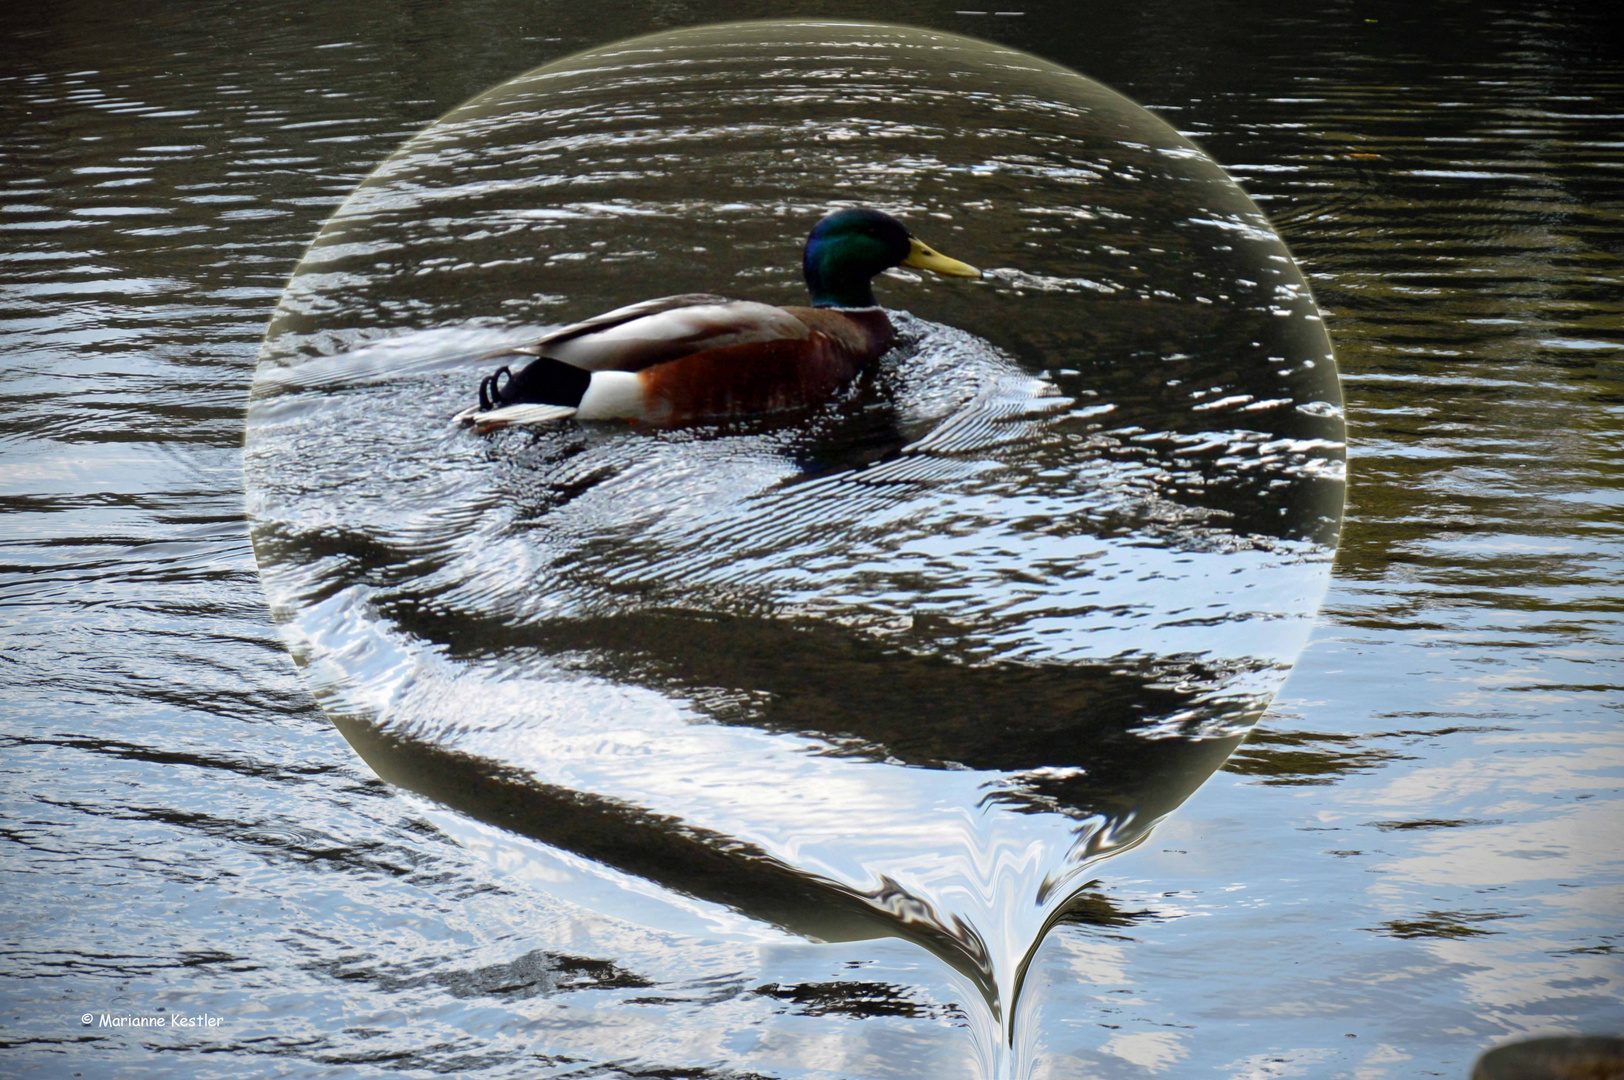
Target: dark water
{"points": [[1413, 856]]}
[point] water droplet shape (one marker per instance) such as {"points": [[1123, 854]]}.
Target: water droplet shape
{"points": [[907, 663]]}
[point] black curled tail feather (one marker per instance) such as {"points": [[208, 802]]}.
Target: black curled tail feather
{"points": [[543, 381], [490, 388]]}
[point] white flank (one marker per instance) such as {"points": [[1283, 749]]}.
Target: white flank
{"points": [[612, 395]]}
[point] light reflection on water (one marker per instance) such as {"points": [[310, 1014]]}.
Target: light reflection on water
{"points": [[1414, 848], [907, 664]]}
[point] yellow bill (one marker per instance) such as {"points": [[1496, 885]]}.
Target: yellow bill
{"points": [[922, 257]]}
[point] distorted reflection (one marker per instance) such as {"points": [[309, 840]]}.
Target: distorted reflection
{"points": [[903, 664]]}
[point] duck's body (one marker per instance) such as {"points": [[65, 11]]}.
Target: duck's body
{"points": [[697, 355]]}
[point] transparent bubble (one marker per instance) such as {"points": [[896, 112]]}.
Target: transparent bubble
{"points": [[904, 663]]}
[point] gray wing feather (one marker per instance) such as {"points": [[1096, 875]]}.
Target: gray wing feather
{"points": [[653, 332], [607, 319]]}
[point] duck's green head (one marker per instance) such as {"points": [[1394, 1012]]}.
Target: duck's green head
{"points": [[847, 248]]}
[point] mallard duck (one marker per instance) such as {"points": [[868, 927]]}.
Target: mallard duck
{"points": [[698, 355]]}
